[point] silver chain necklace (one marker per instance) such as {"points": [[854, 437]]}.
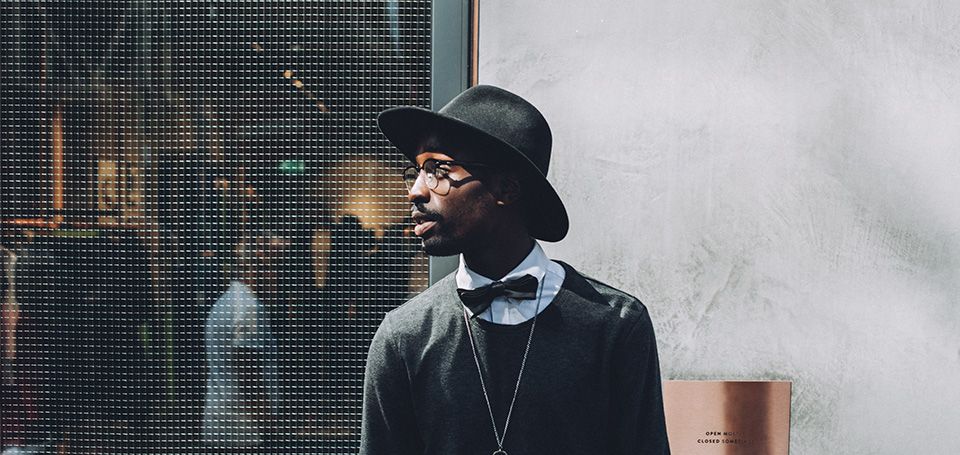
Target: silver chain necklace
{"points": [[523, 363]]}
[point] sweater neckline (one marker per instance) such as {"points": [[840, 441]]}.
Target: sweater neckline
{"points": [[548, 313]]}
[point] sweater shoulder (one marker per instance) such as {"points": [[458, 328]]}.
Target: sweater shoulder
{"points": [[432, 305], [602, 297]]}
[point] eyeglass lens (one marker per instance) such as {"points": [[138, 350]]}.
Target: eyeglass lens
{"points": [[411, 173]]}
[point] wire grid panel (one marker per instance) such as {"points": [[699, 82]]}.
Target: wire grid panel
{"points": [[202, 225]]}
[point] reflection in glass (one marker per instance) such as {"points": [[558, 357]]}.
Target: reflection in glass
{"points": [[142, 143]]}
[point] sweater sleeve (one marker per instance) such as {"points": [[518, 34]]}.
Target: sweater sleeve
{"points": [[638, 414], [389, 424]]}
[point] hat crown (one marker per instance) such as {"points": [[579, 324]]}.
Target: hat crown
{"points": [[507, 117]]}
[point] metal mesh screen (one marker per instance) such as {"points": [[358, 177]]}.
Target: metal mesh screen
{"points": [[202, 225]]}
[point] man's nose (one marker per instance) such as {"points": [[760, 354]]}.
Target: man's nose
{"points": [[419, 192]]}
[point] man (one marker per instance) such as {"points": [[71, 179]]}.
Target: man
{"points": [[242, 391], [513, 353], [14, 404]]}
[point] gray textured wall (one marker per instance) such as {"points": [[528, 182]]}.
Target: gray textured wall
{"points": [[778, 180]]}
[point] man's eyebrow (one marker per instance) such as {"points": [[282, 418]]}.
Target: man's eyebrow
{"points": [[435, 158]]}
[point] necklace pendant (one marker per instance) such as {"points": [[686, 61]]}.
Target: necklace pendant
{"points": [[500, 452]]}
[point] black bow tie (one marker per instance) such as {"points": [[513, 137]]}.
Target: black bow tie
{"points": [[479, 299]]}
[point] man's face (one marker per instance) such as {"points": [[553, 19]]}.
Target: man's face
{"points": [[459, 216], [270, 253]]}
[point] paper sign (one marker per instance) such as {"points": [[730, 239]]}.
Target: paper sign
{"points": [[727, 417]]}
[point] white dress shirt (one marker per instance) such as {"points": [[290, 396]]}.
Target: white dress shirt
{"points": [[504, 310]]}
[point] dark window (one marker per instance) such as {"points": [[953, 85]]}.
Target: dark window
{"points": [[207, 225]]}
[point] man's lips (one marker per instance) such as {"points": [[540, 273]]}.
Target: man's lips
{"points": [[423, 222], [422, 228]]}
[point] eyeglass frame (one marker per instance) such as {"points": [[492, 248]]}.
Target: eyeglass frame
{"points": [[437, 178]]}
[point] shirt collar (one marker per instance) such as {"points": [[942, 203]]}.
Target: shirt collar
{"points": [[535, 264]]}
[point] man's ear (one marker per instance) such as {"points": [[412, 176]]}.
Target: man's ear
{"points": [[508, 189]]}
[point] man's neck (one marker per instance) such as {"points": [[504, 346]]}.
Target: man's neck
{"points": [[496, 262]]}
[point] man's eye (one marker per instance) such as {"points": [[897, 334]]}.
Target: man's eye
{"points": [[442, 172]]}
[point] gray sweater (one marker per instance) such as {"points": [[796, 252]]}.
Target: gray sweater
{"points": [[591, 384]]}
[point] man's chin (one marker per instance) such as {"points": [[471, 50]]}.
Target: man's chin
{"points": [[436, 246]]}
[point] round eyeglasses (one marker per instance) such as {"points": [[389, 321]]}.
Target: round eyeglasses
{"points": [[438, 175]]}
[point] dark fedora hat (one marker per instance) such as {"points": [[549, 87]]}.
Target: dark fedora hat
{"points": [[506, 129]]}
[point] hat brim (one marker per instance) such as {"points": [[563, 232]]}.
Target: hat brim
{"points": [[406, 126]]}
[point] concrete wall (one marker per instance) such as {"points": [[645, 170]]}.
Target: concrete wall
{"points": [[779, 181]]}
